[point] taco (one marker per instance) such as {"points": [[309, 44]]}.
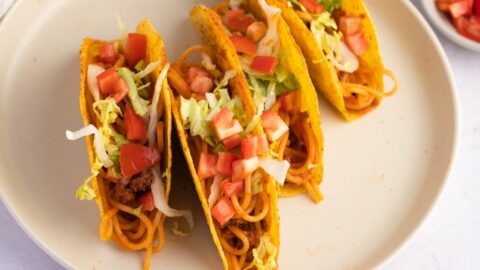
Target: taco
{"points": [[339, 42], [275, 85], [225, 151], [125, 104]]}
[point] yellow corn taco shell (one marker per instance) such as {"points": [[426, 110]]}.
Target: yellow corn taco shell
{"points": [[322, 72], [155, 52], [209, 25]]}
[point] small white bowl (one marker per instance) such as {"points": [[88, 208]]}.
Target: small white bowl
{"points": [[443, 24]]}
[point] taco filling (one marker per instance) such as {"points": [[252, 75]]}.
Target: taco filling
{"points": [[125, 112], [228, 153], [274, 91], [342, 39]]}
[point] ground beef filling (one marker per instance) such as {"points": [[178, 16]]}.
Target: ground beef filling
{"points": [[138, 184]]}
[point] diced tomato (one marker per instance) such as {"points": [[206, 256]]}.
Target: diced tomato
{"points": [[135, 49], [201, 84], [121, 90], [243, 44], [206, 166], [224, 125], [229, 188], [357, 43], [248, 147], [273, 125], [469, 28], [232, 141], [476, 9], [193, 72], [244, 167], [286, 101], [459, 8], [224, 163], [350, 25], [106, 81], [136, 129], [256, 31], [134, 158], [442, 5], [264, 64], [262, 144], [312, 6], [147, 201], [108, 54], [223, 211], [237, 21]]}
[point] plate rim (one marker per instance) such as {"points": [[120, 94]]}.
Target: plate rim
{"points": [[421, 221]]}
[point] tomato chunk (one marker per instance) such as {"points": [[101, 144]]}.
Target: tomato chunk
{"points": [[206, 166], [248, 147], [108, 54], [244, 167], [357, 43], [273, 125], [106, 81], [243, 44], [223, 211], [224, 163], [121, 90], [232, 141], [262, 145], [194, 72], [147, 201], [237, 21], [459, 8], [135, 158], [312, 6], [264, 64], [350, 25], [286, 102], [224, 125], [135, 49], [136, 129], [256, 31], [201, 84], [229, 188]]}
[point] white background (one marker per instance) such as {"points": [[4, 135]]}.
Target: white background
{"points": [[450, 239]]}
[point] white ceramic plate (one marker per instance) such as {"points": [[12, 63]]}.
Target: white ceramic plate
{"points": [[383, 173], [443, 24]]}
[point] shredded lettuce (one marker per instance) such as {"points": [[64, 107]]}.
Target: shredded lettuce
{"points": [[257, 186], [215, 190], [92, 72], [270, 43], [138, 210], [330, 5], [107, 112], [333, 46], [146, 70], [139, 104], [177, 231], [123, 30], [194, 116], [264, 255], [275, 168], [160, 200], [152, 122]]}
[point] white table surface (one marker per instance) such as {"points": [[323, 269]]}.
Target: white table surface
{"points": [[450, 238]]}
